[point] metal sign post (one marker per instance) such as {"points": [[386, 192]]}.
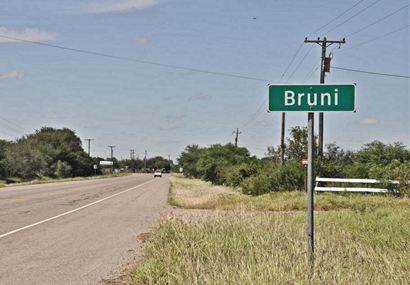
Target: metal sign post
{"points": [[311, 98], [310, 202]]}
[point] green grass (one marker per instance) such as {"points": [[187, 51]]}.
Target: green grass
{"points": [[55, 180]]}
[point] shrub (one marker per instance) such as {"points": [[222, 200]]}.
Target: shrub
{"points": [[63, 169], [288, 177], [236, 174]]}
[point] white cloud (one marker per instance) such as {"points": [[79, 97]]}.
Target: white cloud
{"points": [[26, 34], [370, 121], [11, 74], [107, 6]]}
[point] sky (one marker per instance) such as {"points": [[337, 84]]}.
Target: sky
{"points": [[128, 103]]}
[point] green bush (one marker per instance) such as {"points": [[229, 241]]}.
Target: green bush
{"points": [[236, 174], [63, 169], [233, 166], [212, 163], [289, 177]]}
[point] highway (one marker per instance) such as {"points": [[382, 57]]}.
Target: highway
{"points": [[75, 232]]}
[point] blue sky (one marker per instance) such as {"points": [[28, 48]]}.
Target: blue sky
{"points": [[161, 110]]}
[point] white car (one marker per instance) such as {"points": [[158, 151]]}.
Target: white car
{"points": [[158, 173]]}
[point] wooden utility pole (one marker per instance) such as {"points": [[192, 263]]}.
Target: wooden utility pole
{"points": [[112, 151], [132, 154], [89, 145], [236, 133], [324, 67], [282, 139]]}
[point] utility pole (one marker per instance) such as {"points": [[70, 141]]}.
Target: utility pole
{"points": [[145, 159], [112, 156], [112, 151], [236, 133], [89, 145], [282, 139], [132, 154], [324, 67]]}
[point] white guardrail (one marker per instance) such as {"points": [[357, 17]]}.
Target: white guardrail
{"points": [[352, 189]]}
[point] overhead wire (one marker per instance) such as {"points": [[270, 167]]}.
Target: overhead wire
{"points": [[258, 113], [140, 61], [379, 37], [300, 63], [337, 17], [353, 16], [373, 39], [310, 74], [13, 124], [377, 21], [291, 61], [371, 72]]}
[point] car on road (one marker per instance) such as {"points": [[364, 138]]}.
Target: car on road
{"points": [[158, 173]]}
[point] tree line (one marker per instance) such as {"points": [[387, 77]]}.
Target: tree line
{"points": [[58, 153], [235, 166]]}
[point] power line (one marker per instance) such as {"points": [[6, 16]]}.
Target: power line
{"points": [[378, 37], [13, 124], [254, 115], [258, 112], [371, 72], [300, 63], [354, 15], [291, 61], [373, 23], [310, 74], [318, 29], [335, 18], [378, 20], [95, 53]]}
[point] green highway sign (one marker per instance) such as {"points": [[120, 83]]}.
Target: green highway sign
{"points": [[320, 97]]}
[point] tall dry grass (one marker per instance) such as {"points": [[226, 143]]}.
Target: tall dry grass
{"points": [[370, 247]]}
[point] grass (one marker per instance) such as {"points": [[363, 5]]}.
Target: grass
{"points": [[55, 180], [365, 239], [197, 194], [266, 248]]}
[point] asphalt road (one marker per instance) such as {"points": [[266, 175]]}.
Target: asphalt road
{"points": [[75, 232]]}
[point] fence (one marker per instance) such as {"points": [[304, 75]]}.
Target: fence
{"points": [[367, 182]]}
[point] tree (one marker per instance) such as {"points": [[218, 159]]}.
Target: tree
{"points": [[380, 161], [63, 169], [213, 163], [3, 155], [335, 162], [48, 152], [25, 160], [297, 144], [188, 160]]}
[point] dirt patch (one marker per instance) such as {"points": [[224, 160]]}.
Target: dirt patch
{"points": [[122, 276], [195, 192]]}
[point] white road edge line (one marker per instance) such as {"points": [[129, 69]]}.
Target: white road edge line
{"points": [[74, 210]]}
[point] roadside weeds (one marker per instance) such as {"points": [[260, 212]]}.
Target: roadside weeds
{"points": [[220, 236]]}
